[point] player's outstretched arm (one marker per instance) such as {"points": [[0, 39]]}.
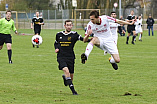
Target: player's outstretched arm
{"points": [[124, 22]]}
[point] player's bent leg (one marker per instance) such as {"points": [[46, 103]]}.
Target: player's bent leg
{"points": [[71, 75], [133, 38], [8, 46], [66, 75], [84, 56], [140, 37], [68, 81], [127, 39], [114, 59]]}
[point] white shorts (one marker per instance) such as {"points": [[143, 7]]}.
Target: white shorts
{"points": [[115, 38], [108, 44], [138, 30]]}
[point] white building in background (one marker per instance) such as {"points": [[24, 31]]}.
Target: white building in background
{"points": [[57, 4]]}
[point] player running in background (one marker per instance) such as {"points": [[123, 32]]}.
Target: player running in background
{"points": [[138, 27], [99, 25], [64, 44], [37, 21], [131, 28], [6, 25]]}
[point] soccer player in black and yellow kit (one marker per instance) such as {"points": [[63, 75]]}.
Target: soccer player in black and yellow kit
{"points": [[64, 44], [6, 25], [37, 21]]}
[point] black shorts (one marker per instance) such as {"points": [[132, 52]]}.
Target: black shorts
{"points": [[66, 63], [130, 29], [5, 38], [37, 31]]}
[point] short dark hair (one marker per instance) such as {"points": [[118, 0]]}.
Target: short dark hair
{"points": [[95, 13], [113, 12], [8, 11], [68, 21]]}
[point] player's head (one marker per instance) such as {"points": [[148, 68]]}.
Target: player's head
{"points": [[113, 14], [37, 13], [8, 14], [94, 16], [68, 24], [139, 17], [150, 16], [132, 12]]}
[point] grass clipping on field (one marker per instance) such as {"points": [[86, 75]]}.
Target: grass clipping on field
{"points": [[128, 93]]}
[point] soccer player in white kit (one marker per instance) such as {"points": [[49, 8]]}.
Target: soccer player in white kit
{"points": [[113, 28], [138, 27], [99, 26]]}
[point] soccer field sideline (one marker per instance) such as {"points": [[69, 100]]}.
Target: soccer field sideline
{"points": [[34, 78]]}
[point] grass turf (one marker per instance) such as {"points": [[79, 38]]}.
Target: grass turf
{"points": [[34, 78]]}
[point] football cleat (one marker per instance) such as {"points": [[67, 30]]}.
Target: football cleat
{"points": [[114, 65], [133, 42], [37, 46], [75, 93], [140, 40], [127, 42], [83, 58], [64, 79], [10, 62]]}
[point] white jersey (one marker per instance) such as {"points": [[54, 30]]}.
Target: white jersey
{"points": [[101, 30], [114, 28], [138, 26]]}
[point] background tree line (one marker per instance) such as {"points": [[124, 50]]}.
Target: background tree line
{"points": [[20, 5]]}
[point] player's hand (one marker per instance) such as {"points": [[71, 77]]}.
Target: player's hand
{"points": [[89, 32], [56, 50], [31, 27]]}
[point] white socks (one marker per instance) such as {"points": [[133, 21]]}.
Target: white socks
{"points": [[140, 37], [88, 49], [112, 60]]}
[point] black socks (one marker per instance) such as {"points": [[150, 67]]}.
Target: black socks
{"points": [[9, 54]]}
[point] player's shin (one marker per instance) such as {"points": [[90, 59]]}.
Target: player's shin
{"points": [[88, 49], [9, 54], [71, 86]]}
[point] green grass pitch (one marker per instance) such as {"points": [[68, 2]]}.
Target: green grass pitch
{"points": [[34, 78]]}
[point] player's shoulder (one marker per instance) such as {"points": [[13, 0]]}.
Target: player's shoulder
{"points": [[102, 16], [34, 17], [40, 17], [2, 19], [60, 32], [11, 20], [73, 32]]}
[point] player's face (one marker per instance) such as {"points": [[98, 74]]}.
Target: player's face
{"points": [[37, 14], [113, 15], [68, 26], [132, 12], [8, 15], [93, 19], [139, 17]]}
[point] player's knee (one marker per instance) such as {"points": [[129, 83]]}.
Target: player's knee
{"points": [[66, 70], [117, 60], [94, 40]]}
